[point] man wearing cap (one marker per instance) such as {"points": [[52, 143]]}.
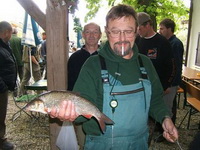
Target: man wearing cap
{"points": [[158, 49]]}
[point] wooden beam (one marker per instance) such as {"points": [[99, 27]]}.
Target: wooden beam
{"points": [[34, 11], [55, 23], [57, 47], [57, 55]]}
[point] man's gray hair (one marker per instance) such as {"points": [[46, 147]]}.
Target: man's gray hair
{"points": [[4, 25], [119, 11], [93, 24]]}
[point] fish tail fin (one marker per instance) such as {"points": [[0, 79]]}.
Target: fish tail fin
{"points": [[103, 121]]}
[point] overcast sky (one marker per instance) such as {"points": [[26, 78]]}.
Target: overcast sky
{"points": [[11, 10]]}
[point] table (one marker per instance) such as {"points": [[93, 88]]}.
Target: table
{"points": [[39, 85], [190, 74]]}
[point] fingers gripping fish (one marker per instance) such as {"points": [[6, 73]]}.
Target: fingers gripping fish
{"points": [[83, 107]]}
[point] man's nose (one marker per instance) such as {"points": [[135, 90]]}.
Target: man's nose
{"points": [[122, 36]]}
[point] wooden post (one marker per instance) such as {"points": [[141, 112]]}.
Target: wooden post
{"points": [[55, 24], [57, 55]]}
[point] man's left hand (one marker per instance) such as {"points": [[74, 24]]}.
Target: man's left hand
{"points": [[170, 132]]}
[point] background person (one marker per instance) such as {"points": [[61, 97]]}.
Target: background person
{"points": [[121, 70], [91, 34], [158, 49], [43, 46], [43, 54], [167, 28], [27, 72], [17, 48], [8, 77]]}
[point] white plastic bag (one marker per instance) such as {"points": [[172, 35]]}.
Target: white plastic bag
{"points": [[67, 137]]}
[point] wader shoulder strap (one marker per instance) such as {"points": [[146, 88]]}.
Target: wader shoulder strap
{"points": [[103, 64], [143, 71], [104, 71], [103, 67]]}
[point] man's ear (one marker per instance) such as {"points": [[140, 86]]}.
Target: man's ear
{"points": [[106, 31]]}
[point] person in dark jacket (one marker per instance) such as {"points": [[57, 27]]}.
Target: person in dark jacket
{"points": [[167, 28], [8, 76], [159, 50], [91, 34]]}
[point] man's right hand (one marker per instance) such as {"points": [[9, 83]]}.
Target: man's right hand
{"points": [[66, 111]]}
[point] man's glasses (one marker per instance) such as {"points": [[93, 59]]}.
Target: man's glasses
{"points": [[117, 33]]}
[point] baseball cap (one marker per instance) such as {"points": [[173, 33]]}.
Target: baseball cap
{"points": [[142, 18]]}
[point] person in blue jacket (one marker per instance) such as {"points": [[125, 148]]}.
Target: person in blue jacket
{"points": [[167, 29]]}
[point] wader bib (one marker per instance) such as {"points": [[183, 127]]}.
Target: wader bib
{"points": [[128, 107]]}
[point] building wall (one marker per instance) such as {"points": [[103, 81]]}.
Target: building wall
{"points": [[195, 29]]}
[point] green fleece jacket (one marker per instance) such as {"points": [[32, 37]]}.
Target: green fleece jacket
{"points": [[89, 83]]}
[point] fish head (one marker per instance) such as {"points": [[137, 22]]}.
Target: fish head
{"points": [[36, 105]]}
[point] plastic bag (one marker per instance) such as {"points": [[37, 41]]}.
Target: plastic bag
{"points": [[67, 137]]}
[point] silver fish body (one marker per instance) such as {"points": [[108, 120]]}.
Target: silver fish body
{"points": [[83, 107]]}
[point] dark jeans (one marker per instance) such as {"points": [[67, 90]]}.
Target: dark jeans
{"points": [[3, 111]]}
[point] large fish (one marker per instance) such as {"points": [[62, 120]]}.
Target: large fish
{"points": [[83, 107]]}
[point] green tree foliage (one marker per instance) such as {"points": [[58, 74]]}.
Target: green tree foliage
{"points": [[93, 6], [157, 9], [77, 25]]}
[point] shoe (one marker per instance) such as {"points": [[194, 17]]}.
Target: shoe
{"points": [[5, 145]]}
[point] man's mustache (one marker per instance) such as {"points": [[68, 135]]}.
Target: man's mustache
{"points": [[122, 42]]}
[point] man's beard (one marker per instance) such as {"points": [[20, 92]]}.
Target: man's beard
{"points": [[122, 48]]}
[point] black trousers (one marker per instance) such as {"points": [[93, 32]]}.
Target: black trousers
{"points": [[3, 111]]}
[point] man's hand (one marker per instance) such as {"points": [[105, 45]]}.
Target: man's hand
{"points": [[66, 111], [170, 132]]}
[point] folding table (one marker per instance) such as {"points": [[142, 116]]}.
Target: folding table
{"points": [[37, 86]]}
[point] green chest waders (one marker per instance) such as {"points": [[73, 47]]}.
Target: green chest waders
{"points": [[128, 107]]}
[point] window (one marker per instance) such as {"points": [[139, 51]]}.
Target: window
{"points": [[197, 60]]}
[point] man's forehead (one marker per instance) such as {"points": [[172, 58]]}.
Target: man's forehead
{"points": [[87, 29], [124, 22], [91, 26], [123, 19], [162, 26]]}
